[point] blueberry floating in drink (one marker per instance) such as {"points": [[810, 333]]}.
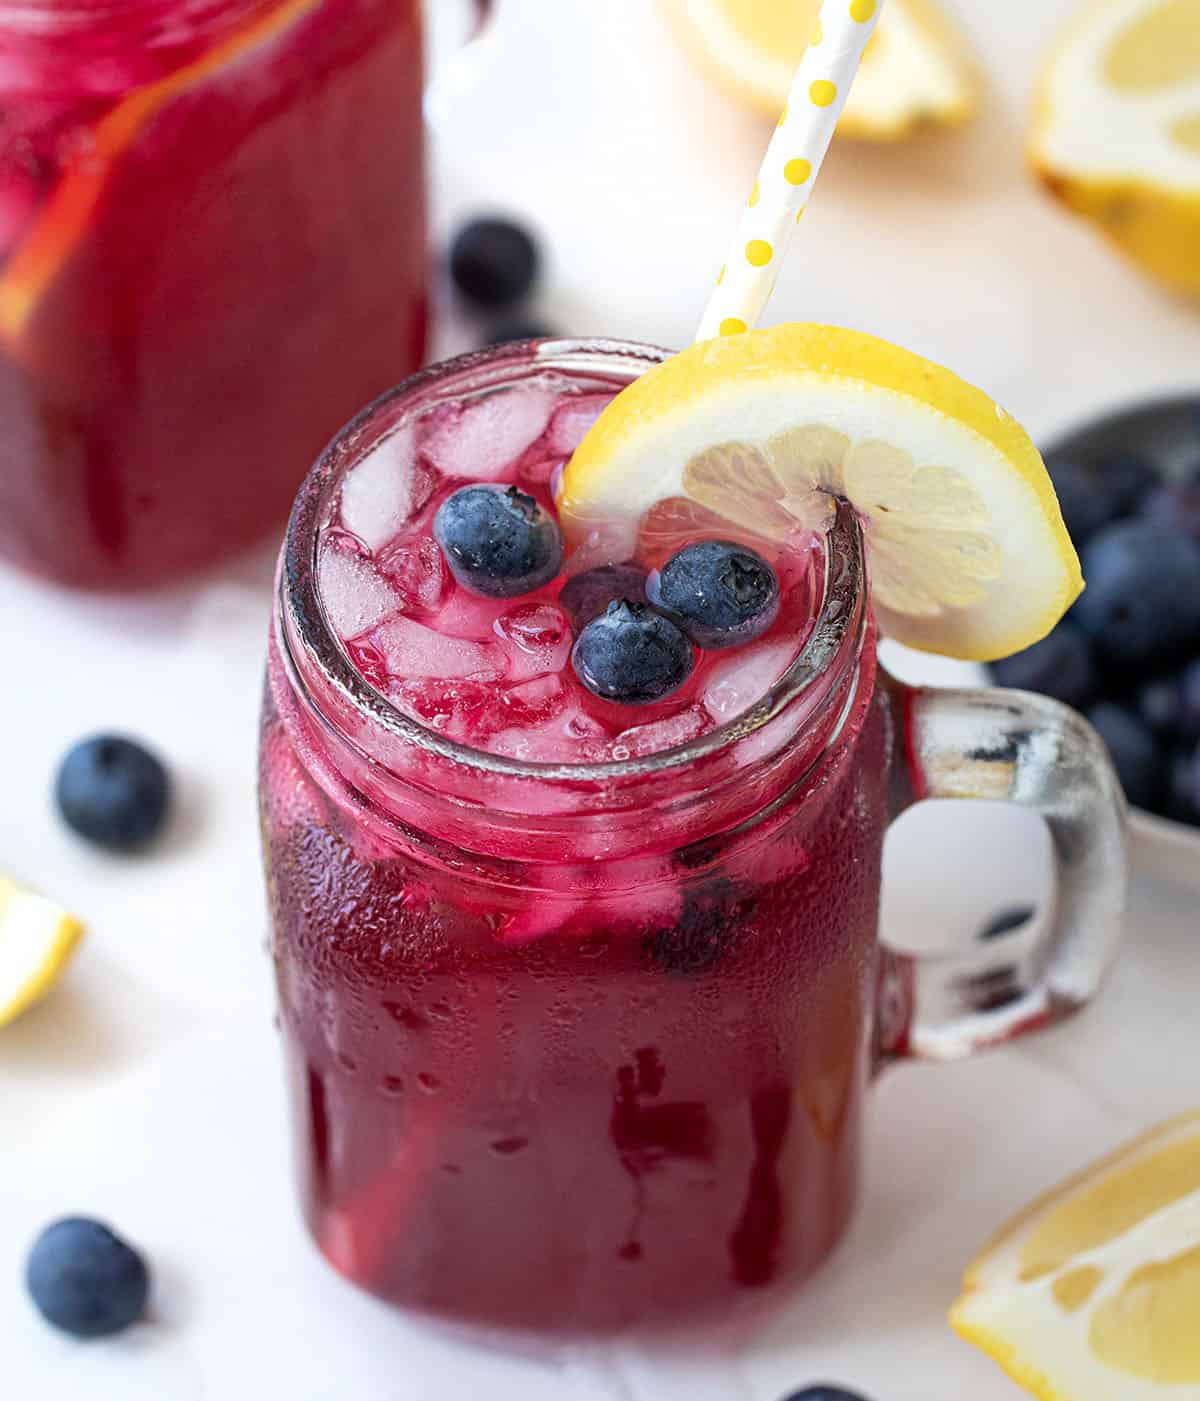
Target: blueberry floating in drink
{"points": [[85, 1280], [498, 541], [632, 654], [721, 594], [587, 595]]}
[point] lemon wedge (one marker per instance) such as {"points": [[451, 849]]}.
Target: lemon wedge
{"points": [[762, 430], [1093, 1293], [37, 938], [1116, 132], [915, 71]]}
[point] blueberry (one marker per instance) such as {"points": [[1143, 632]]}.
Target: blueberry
{"points": [[587, 595], [1006, 921], [85, 1280], [824, 1392], [1135, 753], [1059, 665], [1142, 603], [113, 792], [1128, 478], [719, 593], [711, 916], [1182, 797], [632, 654], [497, 540], [1174, 508], [494, 262], [521, 328], [1087, 500], [1187, 727], [1170, 705]]}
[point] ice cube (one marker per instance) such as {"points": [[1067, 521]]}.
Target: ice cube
{"points": [[657, 735], [411, 650], [536, 638], [733, 686], [355, 597], [483, 439], [540, 470], [416, 569], [385, 489], [571, 421], [562, 733], [537, 701], [467, 711], [466, 614]]}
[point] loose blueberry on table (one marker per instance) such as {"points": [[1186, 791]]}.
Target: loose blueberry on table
{"points": [[825, 1393], [521, 328], [85, 1280], [113, 792], [494, 262]]}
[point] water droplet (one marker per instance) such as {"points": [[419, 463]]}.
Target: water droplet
{"points": [[631, 1250], [393, 1085], [347, 1063], [507, 1146], [405, 1016], [429, 1083]]}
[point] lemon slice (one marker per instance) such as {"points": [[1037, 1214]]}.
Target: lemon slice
{"points": [[969, 554], [1093, 1294], [37, 938], [915, 71], [1117, 130]]}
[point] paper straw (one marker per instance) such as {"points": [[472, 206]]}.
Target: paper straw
{"points": [[793, 159]]}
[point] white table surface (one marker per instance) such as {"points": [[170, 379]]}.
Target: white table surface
{"points": [[147, 1091]]}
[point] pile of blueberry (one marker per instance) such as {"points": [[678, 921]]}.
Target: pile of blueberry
{"points": [[1128, 653], [494, 264], [636, 633]]}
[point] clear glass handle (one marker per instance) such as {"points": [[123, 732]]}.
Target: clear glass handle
{"points": [[1018, 748]]}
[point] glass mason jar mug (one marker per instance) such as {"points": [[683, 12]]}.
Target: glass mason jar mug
{"points": [[577, 1046], [199, 204]]}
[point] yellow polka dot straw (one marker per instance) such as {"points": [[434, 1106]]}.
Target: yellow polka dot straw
{"points": [[793, 159]]}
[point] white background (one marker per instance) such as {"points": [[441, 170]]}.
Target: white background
{"points": [[147, 1090]]}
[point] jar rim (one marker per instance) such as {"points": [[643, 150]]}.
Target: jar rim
{"points": [[310, 646]]}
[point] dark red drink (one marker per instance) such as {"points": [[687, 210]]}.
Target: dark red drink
{"points": [[212, 228], [577, 1025]]}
